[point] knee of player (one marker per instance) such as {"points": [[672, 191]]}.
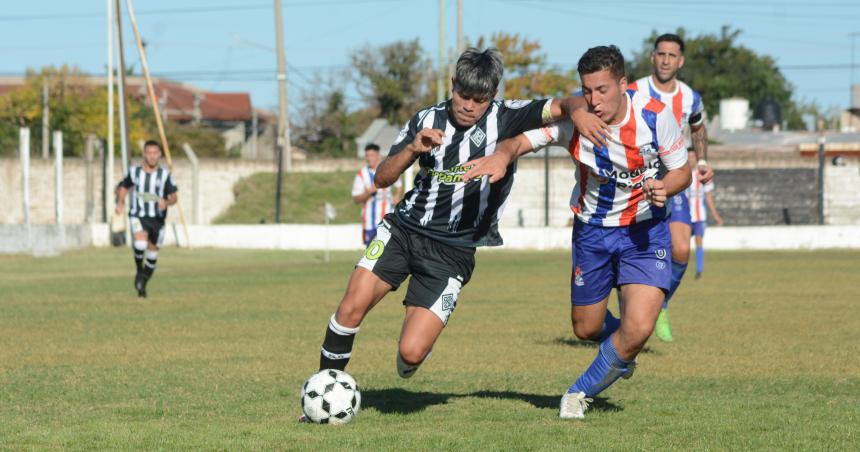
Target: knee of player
{"points": [[637, 334], [412, 354], [585, 331], [349, 314], [680, 252]]}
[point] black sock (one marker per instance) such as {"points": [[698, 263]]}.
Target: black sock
{"points": [[138, 259], [337, 346], [148, 267]]}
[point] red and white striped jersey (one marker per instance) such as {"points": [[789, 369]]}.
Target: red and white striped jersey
{"points": [[377, 205], [685, 103], [609, 180], [696, 195]]}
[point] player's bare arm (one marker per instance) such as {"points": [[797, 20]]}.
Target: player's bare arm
{"points": [[393, 166], [675, 181], [167, 201], [496, 165], [587, 123], [699, 139], [368, 193], [709, 200], [120, 199]]}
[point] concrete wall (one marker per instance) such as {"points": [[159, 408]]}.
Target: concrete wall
{"points": [[47, 239]]}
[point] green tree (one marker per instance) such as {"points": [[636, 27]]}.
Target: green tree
{"points": [[326, 126], [394, 76], [527, 73], [718, 67]]}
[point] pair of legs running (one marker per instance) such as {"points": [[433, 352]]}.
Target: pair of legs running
{"points": [[145, 259]]}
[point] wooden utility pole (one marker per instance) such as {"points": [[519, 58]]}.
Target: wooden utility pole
{"points": [[123, 110], [284, 154], [461, 43], [440, 76]]}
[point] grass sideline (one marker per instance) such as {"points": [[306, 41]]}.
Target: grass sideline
{"points": [[304, 195], [764, 358]]}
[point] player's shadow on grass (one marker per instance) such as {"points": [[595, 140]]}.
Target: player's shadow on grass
{"points": [[589, 344], [402, 401]]}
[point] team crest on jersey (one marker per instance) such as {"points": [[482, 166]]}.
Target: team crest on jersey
{"points": [[577, 276], [661, 253], [478, 137]]}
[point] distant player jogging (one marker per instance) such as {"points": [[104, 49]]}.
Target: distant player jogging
{"points": [[701, 198], [152, 191], [687, 108], [434, 231], [375, 202], [621, 237]]}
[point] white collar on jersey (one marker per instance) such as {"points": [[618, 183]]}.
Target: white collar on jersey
{"points": [[675, 91]]}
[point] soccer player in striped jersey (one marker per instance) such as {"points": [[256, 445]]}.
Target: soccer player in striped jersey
{"points": [[701, 201], [621, 236], [376, 202], [687, 109], [152, 191], [435, 228]]}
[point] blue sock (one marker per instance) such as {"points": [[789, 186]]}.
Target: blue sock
{"points": [[610, 324], [603, 371], [700, 259], [677, 275]]}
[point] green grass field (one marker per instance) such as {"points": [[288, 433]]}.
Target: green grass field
{"points": [[304, 195], [765, 358]]}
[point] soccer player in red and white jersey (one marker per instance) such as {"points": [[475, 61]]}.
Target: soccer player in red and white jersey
{"points": [[687, 109], [701, 201], [621, 235], [376, 202]]}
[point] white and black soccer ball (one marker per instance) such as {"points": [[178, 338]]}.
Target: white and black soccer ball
{"points": [[331, 397]]}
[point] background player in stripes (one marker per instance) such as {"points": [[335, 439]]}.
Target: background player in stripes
{"points": [[435, 228], [701, 201], [687, 109], [151, 190], [621, 237], [376, 202]]}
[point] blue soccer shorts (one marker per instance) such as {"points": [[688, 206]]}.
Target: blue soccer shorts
{"points": [[607, 257], [699, 228], [680, 206]]}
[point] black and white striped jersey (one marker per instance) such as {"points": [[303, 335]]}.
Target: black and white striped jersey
{"points": [[443, 206], [145, 189]]}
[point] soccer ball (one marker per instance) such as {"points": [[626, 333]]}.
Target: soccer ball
{"points": [[330, 397]]}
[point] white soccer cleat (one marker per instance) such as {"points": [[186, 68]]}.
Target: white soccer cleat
{"points": [[408, 370], [573, 405]]}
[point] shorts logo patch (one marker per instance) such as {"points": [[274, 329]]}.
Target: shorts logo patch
{"points": [[661, 265], [478, 137], [374, 250], [661, 253], [448, 302], [577, 276]]}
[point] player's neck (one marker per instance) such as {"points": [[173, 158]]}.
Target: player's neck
{"points": [[667, 87], [619, 115], [149, 169]]}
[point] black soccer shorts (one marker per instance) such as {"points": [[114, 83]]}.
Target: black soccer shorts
{"points": [[154, 228], [439, 271]]}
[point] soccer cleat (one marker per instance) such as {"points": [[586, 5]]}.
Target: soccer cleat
{"points": [[573, 405], [698, 275], [408, 370], [662, 329], [304, 420], [140, 285], [630, 369]]}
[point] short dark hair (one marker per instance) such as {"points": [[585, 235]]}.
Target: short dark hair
{"points": [[371, 147], [478, 72], [152, 143], [599, 58], [669, 37]]}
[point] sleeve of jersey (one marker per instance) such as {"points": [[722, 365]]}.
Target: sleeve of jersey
{"points": [[673, 149], [169, 186], [517, 116], [697, 115], [557, 132], [126, 182], [357, 185], [406, 135]]}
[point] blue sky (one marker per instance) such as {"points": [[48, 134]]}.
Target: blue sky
{"points": [[227, 45]]}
